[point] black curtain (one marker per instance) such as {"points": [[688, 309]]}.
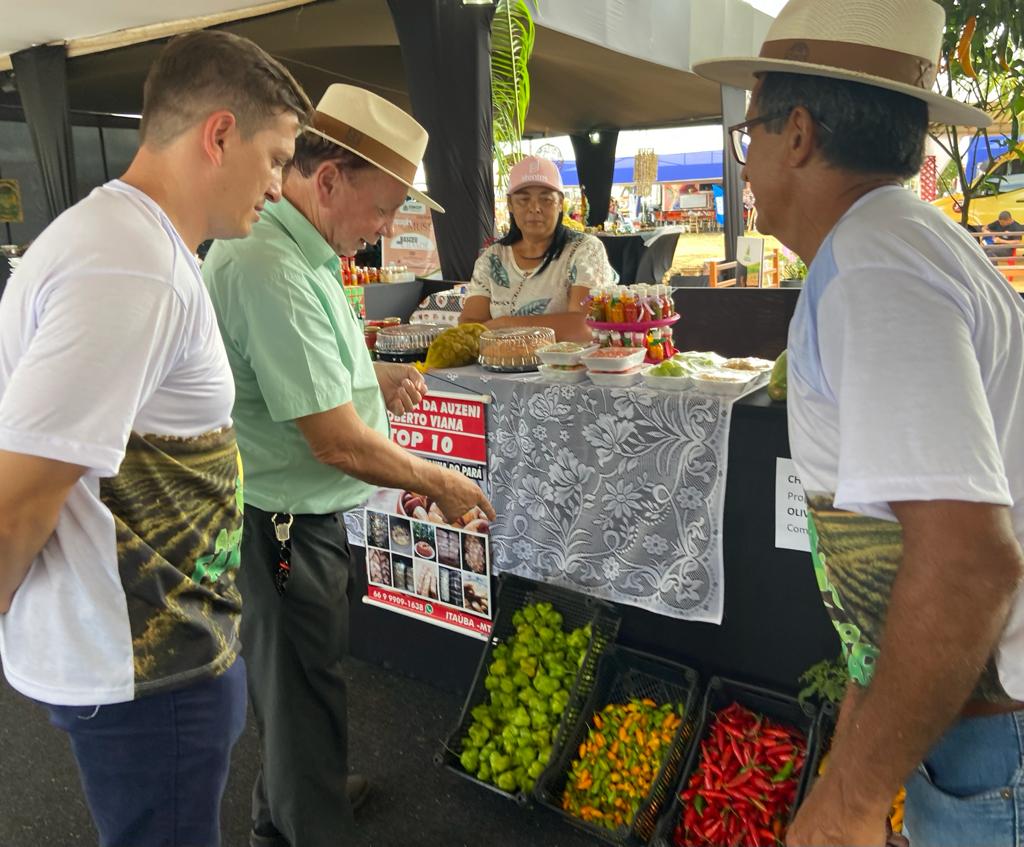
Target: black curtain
{"points": [[595, 164], [734, 110], [446, 49], [41, 76]]}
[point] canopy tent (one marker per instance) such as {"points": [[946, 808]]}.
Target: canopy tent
{"points": [[603, 64]]}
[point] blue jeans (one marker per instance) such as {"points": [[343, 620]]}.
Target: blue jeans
{"points": [[970, 787], [154, 769]]}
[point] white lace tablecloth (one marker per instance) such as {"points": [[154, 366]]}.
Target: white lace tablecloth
{"points": [[617, 493]]}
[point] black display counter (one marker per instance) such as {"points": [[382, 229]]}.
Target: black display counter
{"points": [[774, 624]]}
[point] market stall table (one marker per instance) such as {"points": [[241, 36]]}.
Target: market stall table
{"points": [[614, 492], [773, 623]]}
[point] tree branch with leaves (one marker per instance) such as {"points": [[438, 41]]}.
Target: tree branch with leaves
{"points": [[982, 64]]}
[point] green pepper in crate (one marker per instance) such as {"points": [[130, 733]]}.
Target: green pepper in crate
{"points": [[528, 682]]}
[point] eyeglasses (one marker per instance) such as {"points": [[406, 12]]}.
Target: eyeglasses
{"points": [[740, 133], [547, 201]]}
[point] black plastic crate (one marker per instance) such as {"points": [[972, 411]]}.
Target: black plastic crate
{"points": [[783, 708], [825, 729], [622, 675], [577, 610]]}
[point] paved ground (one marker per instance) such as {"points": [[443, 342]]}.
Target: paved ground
{"points": [[397, 725]]}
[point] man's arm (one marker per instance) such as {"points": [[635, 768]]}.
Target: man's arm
{"points": [[960, 571], [339, 438], [31, 496]]}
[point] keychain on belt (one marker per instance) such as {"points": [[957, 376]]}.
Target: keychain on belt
{"points": [[282, 531]]}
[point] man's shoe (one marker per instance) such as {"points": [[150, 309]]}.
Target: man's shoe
{"points": [[357, 787], [266, 838]]}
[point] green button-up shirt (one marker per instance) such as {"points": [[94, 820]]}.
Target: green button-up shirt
{"points": [[295, 348]]}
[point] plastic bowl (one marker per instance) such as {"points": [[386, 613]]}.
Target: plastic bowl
{"points": [[666, 383], [620, 379], [561, 357], [601, 360], [727, 384], [553, 374]]}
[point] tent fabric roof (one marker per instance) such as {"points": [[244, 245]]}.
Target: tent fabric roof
{"points": [[578, 83]]}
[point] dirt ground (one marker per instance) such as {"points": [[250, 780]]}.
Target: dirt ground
{"points": [[695, 248]]}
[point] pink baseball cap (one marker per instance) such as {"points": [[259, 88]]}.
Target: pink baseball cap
{"points": [[533, 170]]}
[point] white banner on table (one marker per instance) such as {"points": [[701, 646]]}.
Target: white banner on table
{"points": [[790, 508]]}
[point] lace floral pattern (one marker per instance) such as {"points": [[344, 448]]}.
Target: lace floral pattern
{"points": [[628, 507]]}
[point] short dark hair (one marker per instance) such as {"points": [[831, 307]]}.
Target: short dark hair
{"points": [[870, 129], [201, 72], [1004, 215], [312, 150]]}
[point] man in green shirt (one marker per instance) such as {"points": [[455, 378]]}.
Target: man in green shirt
{"points": [[313, 433]]}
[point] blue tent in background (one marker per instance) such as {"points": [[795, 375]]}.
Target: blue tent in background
{"points": [[674, 167], [978, 153]]}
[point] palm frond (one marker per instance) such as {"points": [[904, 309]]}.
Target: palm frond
{"points": [[512, 36]]}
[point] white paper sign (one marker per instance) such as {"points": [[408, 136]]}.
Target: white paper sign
{"points": [[790, 509]]}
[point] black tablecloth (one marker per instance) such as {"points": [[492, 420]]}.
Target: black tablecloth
{"points": [[624, 253]]}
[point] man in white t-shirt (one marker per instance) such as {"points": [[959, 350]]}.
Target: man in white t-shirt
{"points": [[906, 421], [119, 473]]}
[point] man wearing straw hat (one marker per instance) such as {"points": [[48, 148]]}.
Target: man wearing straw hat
{"points": [[313, 433], [906, 421]]}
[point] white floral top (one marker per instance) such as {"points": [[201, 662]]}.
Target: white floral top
{"points": [[513, 291]]}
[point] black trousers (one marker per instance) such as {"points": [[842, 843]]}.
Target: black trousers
{"points": [[294, 645]]}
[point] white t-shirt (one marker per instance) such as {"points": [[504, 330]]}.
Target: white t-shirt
{"points": [[906, 382], [513, 291], [109, 349]]}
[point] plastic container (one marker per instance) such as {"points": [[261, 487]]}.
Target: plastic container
{"points": [[666, 383], [407, 342], [614, 359], [749, 364], [622, 675], [561, 354], [617, 379], [726, 383], [577, 610], [513, 350], [722, 692], [550, 373]]}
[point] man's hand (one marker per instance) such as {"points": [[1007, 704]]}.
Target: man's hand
{"points": [[459, 495], [833, 814], [402, 386]]}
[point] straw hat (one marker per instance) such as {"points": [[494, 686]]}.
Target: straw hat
{"points": [[893, 44], [375, 129]]}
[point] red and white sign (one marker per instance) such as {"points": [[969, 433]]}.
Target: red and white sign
{"points": [[446, 426], [417, 565], [436, 613]]}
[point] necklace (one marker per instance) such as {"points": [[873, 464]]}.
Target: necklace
{"points": [[530, 258]]}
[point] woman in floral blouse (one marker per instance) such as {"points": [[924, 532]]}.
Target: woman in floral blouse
{"points": [[541, 272]]}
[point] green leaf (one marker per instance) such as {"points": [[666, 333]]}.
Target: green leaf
{"points": [[512, 37]]}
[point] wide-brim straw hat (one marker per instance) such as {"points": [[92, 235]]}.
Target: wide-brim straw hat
{"points": [[376, 130], [892, 44]]}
